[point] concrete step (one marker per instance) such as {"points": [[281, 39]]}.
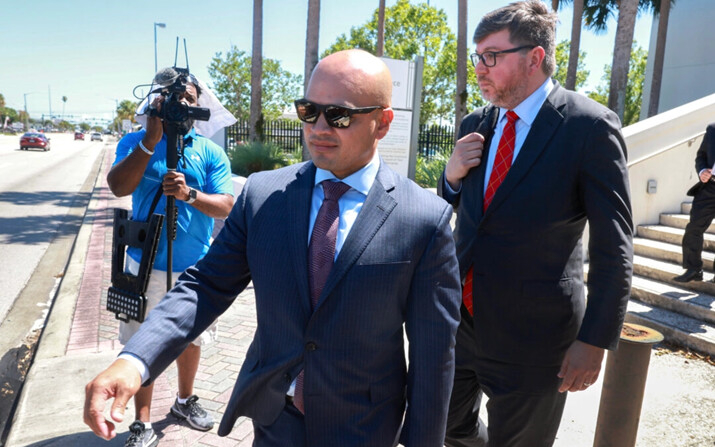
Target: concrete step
{"points": [[685, 207], [665, 272], [674, 298], [665, 251], [679, 329], [683, 316], [672, 235], [680, 221]]}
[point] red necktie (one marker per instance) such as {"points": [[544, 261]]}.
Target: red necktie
{"points": [[502, 163], [321, 254]]}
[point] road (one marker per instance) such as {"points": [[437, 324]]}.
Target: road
{"points": [[38, 192]]}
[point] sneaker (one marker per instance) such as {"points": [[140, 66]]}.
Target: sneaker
{"points": [[194, 414], [141, 436]]}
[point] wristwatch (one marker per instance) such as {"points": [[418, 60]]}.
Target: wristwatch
{"points": [[192, 196]]}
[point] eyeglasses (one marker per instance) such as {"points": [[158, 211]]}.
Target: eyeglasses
{"points": [[489, 58], [336, 116]]}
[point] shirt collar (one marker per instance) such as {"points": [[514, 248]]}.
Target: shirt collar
{"points": [[529, 108], [360, 181], [190, 135], [187, 138]]}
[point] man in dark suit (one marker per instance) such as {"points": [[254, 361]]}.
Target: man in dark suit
{"points": [[327, 364], [702, 212], [526, 175]]}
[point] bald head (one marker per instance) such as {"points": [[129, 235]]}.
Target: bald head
{"points": [[363, 79]]}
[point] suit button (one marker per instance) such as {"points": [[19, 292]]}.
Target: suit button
{"points": [[310, 346]]}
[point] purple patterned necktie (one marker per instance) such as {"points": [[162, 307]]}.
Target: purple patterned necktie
{"points": [[321, 254]]}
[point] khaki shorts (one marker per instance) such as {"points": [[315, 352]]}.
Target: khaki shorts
{"points": [[154, 293]]}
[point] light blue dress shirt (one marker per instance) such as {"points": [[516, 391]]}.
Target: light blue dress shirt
{"points": [[350, 203]]}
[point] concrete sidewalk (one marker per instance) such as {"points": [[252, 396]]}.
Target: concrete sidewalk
{"points": [[79, 340]]}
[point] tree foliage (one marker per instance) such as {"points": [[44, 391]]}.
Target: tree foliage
{"points": [[562, 63], [257, 156], [12, 114], [125, 111], [231, 76], [412, 30], [634, 88], [597, 12]]}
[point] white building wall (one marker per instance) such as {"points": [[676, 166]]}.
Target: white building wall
{"points": [[689, 63]]}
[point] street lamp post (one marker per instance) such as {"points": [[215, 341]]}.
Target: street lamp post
{"points": [[160, 25]]}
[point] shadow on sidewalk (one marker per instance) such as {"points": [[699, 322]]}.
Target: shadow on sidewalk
{"points": [[85, 439]]}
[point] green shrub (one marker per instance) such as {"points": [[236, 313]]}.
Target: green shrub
{"points": [[428, 171], [254, 157]]}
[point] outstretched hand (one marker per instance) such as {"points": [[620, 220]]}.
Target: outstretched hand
{"points": [[580, 367], [120, 381]]}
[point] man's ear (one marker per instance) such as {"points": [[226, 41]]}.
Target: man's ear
{"points": [[384, 124], [535, 59]]}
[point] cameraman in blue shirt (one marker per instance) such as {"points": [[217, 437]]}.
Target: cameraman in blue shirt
{"points": [[203, 191]]}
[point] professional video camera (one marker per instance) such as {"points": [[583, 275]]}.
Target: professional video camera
{"points": [[172, 83]]}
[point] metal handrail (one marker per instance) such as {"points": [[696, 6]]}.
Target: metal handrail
{"points": [[666, 149]]}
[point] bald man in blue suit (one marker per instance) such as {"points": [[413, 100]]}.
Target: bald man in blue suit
{"points": [[395, 266]]}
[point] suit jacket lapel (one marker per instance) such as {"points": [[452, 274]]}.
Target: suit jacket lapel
{"points": [[547, 121], [300, 192], [378, 205]]}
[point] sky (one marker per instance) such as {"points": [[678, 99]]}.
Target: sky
{"points": [[95, 52]]}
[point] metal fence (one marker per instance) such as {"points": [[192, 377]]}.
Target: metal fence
{"points": [[432, 139], [284, 133]]}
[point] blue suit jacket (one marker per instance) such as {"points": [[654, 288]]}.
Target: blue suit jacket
{"points": [[397, 265]]}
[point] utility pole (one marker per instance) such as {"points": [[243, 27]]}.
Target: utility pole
{"points": [[49, 97], [27, 117]]}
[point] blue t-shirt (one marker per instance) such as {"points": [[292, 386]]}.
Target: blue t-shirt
{"points": [[206, 169]]}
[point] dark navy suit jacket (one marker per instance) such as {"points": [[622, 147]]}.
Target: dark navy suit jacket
{"points": [[397, 266], [529, 294]]}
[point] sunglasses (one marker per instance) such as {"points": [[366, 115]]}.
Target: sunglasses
{"points": [[336, 116]]}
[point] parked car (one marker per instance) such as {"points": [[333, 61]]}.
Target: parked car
{"points": [[79, 136], [95, 136], [35, 140]]}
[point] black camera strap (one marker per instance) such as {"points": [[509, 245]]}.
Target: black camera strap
{"points": [[155, 201]]}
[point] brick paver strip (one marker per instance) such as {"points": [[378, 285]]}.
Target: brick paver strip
{"points": [[95, 330]]}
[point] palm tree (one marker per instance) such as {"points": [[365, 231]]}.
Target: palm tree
{"points": [[596, 14], [381, 29], [255, 131], [64, 101], [312, 34], [460, 102], [627, 11], [576, 24], [575, 43], [663, 14]]}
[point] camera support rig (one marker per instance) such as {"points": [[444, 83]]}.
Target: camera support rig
{"points": [[178, 118]]}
